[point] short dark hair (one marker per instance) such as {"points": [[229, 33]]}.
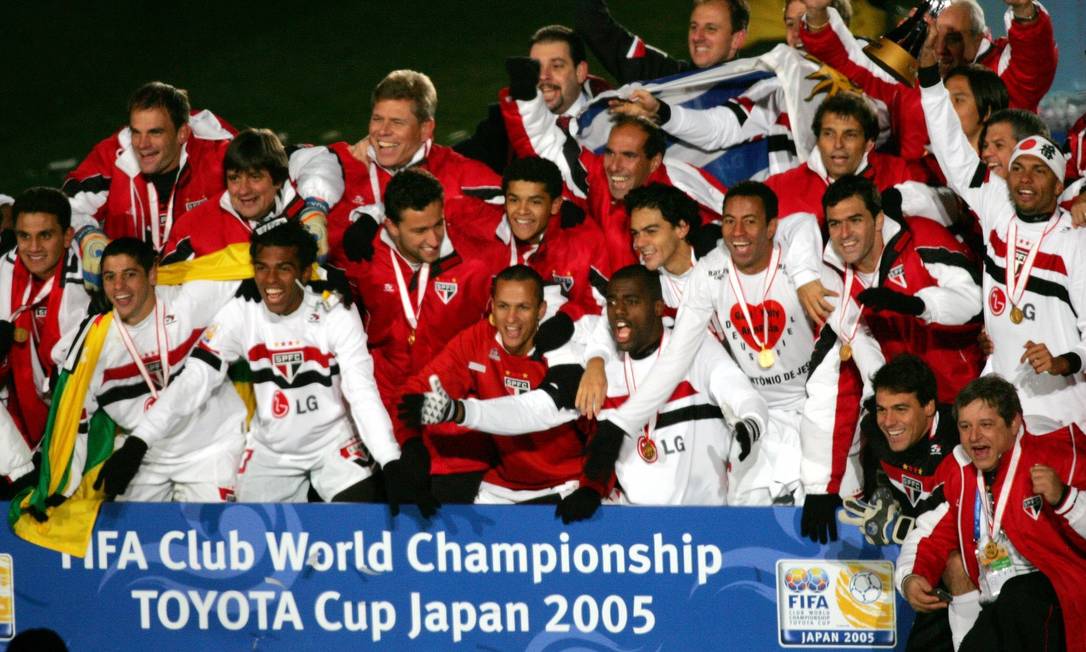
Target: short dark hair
{"points": [[995, 392], [41, 199], [253, 150], [989, 91], [758, 190], [283, 231], [655, 140], [1023, 124], [139, 250], [853, 185], [520, 273], [160, 95], [642, 274], [409, 85], [849, 105], [536, 170], [561, 34], [739, 10], [674, 205], [906, 374], [413, 188]]}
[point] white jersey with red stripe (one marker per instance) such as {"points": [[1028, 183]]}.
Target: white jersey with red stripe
{"points": [[307, 367], [682, 455], [119, 387], [1053, 302]]}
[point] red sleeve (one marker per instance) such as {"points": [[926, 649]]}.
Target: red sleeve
{"points": [[1032, 65], [939, 527], [94, 174], [514, 126]]}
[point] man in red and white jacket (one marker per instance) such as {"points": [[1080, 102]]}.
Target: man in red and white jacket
{"points": [[400, 136], [1025, 59], [424, 283], [166, 162], [492, 359], [1016, 511]]}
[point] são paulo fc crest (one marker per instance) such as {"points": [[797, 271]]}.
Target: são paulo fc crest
{"points": [[517, 385], [287, 363], [445, 290], [896, 275], [566, 281], [1033, 506], [913, 489]]}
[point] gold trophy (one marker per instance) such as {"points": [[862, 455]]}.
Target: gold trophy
{"points": [[897, 50]]}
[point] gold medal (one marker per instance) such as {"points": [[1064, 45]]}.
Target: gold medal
{"points": [[766, 358], [1017, 315], [21, 335], [411, 338], [846, 352], [646, 448]]}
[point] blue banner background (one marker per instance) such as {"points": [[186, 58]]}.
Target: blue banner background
{"points": [[735, 609]]}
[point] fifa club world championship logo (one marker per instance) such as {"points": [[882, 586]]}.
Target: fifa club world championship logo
{"points": [[823, 603]]}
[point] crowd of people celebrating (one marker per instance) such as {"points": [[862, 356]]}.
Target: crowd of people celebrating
{"points": [[890, 333]]}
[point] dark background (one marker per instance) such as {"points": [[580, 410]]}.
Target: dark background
{"points": [[303, 69]]}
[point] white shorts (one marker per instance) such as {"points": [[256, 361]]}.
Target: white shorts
{"points": [[269, 477], [495, 494], [207, 477]]}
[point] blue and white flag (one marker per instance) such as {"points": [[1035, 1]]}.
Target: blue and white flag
{"points": [[778, 91]]}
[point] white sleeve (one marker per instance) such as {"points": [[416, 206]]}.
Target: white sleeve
{"points": [[965, 172], [348, 340], [204, 371], [600, 344], [204, 299], [16, 458], [671, 367], [956, 297], [721, 127], [921, 200], [715, 373], [925, 525], [1078, 296], [532, 411], [317, 173], [802, 240], [546, 137]]}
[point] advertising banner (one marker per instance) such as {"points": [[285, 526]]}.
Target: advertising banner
{"points": [[289, 577]]}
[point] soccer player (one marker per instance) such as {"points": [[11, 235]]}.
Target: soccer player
{"points": [[42, 302], [310, 370], [1033, 295], [426, 281], [151, 333], [1016, 511], [495, 358]]}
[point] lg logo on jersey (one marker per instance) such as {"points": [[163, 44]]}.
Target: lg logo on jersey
{"points": [[997, 303], [281, 405]]}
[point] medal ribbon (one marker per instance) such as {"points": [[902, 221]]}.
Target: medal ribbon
{"points": [[676, 288], [412, 315], [1017, 279], [846, 296], [161, 340], [1001, 501], [631, 384], [375, 184], [737, 290], [36, 364], [160, 237]]}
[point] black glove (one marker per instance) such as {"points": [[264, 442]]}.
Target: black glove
{"points": [[571, 214], [881, 298], [7, 336], [415, 463], [523, 77], [358, 238], [552, 334], [891, 203], [399, 486], [578, 506], [121, 466], [819, 522], [746, 433], [602, 451], [705, 239]]}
